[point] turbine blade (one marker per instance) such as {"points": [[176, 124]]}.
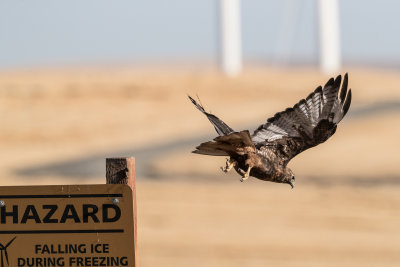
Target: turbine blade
{"points": [[6, 254], [9, 243]]}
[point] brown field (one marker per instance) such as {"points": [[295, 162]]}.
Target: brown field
{"points": [[344, 210]]}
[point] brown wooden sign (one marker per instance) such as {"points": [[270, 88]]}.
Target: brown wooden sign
{"points": [[67, 225]]}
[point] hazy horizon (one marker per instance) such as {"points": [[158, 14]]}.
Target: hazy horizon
{"points": [[47, 33]]}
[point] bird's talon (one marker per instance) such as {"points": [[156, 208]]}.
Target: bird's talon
{"points": [[246, 174], [244, 178], [229, 165]]}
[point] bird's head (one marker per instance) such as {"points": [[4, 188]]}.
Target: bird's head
{"points": [[289, 177]]}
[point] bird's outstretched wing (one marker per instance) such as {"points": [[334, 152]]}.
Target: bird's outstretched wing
{"points": [[310, 122], [219, 125]]}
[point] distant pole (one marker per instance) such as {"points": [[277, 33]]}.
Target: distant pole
{"points": [[329, 36], [230, 37]]}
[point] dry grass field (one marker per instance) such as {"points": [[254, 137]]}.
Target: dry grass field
{"points": [[344, 210]]}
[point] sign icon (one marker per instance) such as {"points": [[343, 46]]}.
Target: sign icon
{"points": [[3, 251]]}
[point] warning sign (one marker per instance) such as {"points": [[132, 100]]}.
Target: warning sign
{"points": [[66, 225]]}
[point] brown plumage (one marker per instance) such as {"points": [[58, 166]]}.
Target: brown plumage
{"points": [[265, 153]]}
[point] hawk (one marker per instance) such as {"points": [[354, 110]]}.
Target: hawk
{"points": [[266, 152]]}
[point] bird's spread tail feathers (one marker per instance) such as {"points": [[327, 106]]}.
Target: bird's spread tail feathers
{"points": [[236, 143]]}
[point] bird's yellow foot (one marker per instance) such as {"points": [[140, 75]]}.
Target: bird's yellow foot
{"points": [[246, 174], [230, 163]]}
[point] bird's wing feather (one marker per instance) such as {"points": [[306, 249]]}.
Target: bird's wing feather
{"points": [[308, 123], [219, 125]]}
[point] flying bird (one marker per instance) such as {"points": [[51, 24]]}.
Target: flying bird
{"points": [[266, 152]]}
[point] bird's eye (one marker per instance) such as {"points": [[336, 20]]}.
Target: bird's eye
{"points": [[293, 178]]}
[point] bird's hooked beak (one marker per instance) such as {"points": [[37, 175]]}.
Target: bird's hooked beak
{"points": [[292, 181], [291, 184]]}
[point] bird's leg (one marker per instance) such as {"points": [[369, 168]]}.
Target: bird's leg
{"points": [[230, 163], [246, 174]]}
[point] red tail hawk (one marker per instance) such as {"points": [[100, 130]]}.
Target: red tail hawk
{"points": [[265, 153]]}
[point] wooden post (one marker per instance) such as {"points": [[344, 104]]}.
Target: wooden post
{"points": [[122, 171]]}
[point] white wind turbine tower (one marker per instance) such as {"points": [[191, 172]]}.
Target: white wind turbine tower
{"points": [[230, 45], [329, 36]]}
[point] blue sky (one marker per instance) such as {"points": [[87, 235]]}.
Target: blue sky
{"points": [[48, 32]]}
